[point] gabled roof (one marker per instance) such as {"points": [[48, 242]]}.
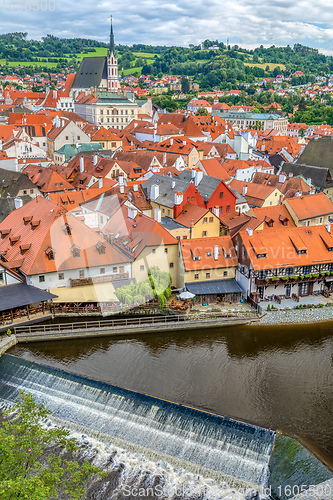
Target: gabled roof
{"points": [[281, 247], [198, 253], [134, 235], [214, 168], [320, 176], [278, 215], [192, 214], [49, 232], [318, 153], [289, 187], [90, 73], [46, 179], [13, 182], [307, 207]]}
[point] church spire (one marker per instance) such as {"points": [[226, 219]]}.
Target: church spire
{"points": [[112, 47]]}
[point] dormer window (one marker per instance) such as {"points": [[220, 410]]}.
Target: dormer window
{"points": [[14, 239], [76, 251], [25, 248], [34, 224], [261, 255], [50, 253], [67, 229], [26, 220], [4, 233], [100, 247]]}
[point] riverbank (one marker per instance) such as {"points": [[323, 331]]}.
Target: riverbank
{"points": [[297, 316]]}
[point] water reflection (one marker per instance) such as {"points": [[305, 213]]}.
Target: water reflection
{"points": [[277, 377]]}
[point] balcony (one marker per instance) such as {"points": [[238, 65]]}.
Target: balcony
{"points": [[291, 280], [99, 279]]}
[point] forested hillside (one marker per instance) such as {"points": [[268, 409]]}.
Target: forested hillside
{"points": [[223, 67]]}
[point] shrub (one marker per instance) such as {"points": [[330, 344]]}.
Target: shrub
{"points": [[9, 332], [315, 275], [285, 278], [308, 276], [309, 305], [293, 277], [268, 307]]}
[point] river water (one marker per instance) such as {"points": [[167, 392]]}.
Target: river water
{"points": [[276, 377]]}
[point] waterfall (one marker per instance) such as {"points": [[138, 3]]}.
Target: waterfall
{"points": [[162, 432]]}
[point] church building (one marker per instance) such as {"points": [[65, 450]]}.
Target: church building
{"points": [[98, 72]]}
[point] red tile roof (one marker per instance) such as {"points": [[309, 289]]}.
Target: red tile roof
{"points": [[198, 253]]}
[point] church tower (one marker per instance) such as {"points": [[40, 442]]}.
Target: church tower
{"points": [[113, 82]]}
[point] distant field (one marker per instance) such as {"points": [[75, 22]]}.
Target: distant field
{"points": [[13, 64], [131, 71], [263, 65], [146, 55]]}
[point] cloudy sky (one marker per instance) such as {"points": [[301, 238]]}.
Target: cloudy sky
{"points": [[247, 23]]}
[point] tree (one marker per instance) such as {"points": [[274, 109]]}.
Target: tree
{"points": [[32, 464], [185, 85], [202, 112]]}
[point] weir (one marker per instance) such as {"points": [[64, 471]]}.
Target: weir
{"points": [[229, 448]]}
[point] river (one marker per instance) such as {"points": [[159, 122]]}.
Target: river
{"points": [[276, 377]]}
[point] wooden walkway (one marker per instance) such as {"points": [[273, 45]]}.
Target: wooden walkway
{"points": [[132, 326]]}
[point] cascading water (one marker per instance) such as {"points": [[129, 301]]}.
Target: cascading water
{"points": [[146, 440]]}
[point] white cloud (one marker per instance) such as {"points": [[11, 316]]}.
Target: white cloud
{"points": [[248, 23]]}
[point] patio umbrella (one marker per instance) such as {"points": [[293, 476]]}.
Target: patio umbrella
{"points": [[186, 295]]}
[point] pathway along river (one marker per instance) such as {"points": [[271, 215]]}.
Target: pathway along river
{"points": [[277, 377]]}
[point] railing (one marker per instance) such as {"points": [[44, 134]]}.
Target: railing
{"points": [[99, 279], [289, 281], [125, 322]]}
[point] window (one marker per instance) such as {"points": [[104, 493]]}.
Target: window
{"points": [[66, 137], [168, 212], [102, 270], [211, 219], [305, 288], [171, 265], [165, 250], [184, 237], [61, 276], [81, 274], [42, 278], [192, 198], [261, 275], [221, 196], [31, 191], [142, 268], [188, 198], [154, 250], [228, 208], [1, 276], [289, 271], [205, 220], [221, 210], [204, 233], [78, 137], [207, 275], [196, 276], [270, 203], [225, 273], [306, 269]]}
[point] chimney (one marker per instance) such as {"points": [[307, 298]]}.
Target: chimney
{"points": [[249, 231], [18, 203], [328, 228], [54, 94], [135, 188], [157, 214], [171, 141], [100, 182], [216, 252], [121, 188], [244, 190], [0, 144], [282, 178], [95, 159], [198, 177], [164, 158], [308, 181], [132, 213], [81, 164], [184, 143], [216, 211], [178, 198], [173, 184], [121, 180], [154, 191]]}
